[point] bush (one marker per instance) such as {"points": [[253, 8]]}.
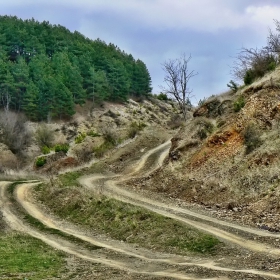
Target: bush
{"points": [[233, 86], [46, 150], [252, 138], [40, 161], [93, 134], [80, 138], [83, 153], [205, 128], [135, 128], [175, 121], [44, 136], [111, 114], [61, 148], [249, 77], [162, 96], [13, 131], [109, 134], [239, 103], [102, 149]]}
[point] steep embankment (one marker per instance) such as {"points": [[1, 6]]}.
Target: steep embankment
{"points": [[226, 158]]}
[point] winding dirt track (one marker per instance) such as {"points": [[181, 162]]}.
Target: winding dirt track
{"points": [[135, 260]]}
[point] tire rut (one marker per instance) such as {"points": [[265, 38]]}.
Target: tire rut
{"points": [[162, 267]]}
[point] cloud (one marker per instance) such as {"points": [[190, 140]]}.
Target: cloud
{"points": [[202, 16], [155, 30]]}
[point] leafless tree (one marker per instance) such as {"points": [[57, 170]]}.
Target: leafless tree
{"points": [[13, 131], [273, 39], [258, 60], [177, 76]]}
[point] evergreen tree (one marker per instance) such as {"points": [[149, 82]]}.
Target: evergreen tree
{"points": [[31, 102], [45, 69]]}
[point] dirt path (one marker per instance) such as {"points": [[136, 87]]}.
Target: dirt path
{"points": [[137, 260], [202, 222]]}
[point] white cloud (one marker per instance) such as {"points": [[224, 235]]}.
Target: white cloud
{"points": [[261, 17], [202, 15]]}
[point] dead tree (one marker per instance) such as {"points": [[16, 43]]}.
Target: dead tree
{"points": [[258, 61], [177, 76], [273, 39]]}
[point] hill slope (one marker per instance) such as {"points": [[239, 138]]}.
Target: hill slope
{"points": [[227, 156], [46, 69]]}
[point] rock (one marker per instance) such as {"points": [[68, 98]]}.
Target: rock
{"points": [[231, 205]]}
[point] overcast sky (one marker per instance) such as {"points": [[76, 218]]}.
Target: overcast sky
{"points": [[212, 31]]}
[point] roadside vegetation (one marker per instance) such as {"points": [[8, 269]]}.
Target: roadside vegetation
{"points": [[123, 221]]}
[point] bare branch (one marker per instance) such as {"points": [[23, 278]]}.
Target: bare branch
{"points": [[176, 78]]}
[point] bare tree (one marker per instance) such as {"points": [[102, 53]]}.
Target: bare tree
{"points": [[273, 39], [177, 76], [259, 61], [13, 131]]}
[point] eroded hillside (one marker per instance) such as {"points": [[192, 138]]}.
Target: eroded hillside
{"points": [[226, 158], [47, 148]]}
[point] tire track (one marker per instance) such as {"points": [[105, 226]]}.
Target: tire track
{"points": [[22, 194]]}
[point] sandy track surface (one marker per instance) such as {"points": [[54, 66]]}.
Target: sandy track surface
{"points": [[127, 257]]}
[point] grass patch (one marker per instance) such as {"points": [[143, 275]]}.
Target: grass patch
{"points": [[135, 128], [28, 258], [103, 148], [70, 178], [13, 185], [123, 221], [36, 223]]}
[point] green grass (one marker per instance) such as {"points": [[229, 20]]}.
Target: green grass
{"points": [[103, 148], [28, 258], [123, 221], [70, 178], [36, 223]]}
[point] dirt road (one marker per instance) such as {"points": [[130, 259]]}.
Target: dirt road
{"points": [[140, 261]]}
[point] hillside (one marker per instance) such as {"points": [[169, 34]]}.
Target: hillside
{"points": [[114, 198], [226, 158], [86, 137], [99, 179], [45, 70]]}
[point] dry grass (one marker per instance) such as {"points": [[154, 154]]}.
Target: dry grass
{"points": [[125, 222]]}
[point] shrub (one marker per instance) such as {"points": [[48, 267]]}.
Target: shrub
{"points": [[249, 77], [80, 138], [111, 114], [44, 136], [162, 96], [233, 86], [202, 101], [40, 161], [102, 149], [239, 103], [13, 131], [135, 128], [109, 134], [83, 153], [61, 148], [175, 121], [252, 138], [93, 134], [205, 128], [46, 150]]}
